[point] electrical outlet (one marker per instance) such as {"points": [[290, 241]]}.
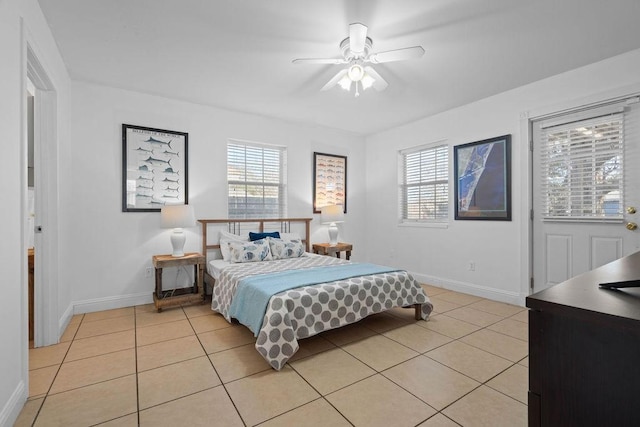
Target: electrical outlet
{"points": [[148, 272], [472, 266]]}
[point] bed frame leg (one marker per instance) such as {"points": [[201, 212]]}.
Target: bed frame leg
{"points": [[418, 308]]}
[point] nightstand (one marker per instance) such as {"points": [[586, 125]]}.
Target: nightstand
{"points": [[188, 295], [327, 249]]}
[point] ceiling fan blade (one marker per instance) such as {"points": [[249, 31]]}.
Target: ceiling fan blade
{"points": [[396, 55], [357, 37], [319, 61], [379, 83], [335, 79]]}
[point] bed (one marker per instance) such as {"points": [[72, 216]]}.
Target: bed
{"points": [[289, 293]]}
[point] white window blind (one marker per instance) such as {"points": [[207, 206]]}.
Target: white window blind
{"points": [[582, 169], [256, 176], [424, 186]]}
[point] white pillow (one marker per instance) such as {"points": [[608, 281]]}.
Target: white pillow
{"points": [[288, 237], [281, 249], [258, 250], [225, 238]]}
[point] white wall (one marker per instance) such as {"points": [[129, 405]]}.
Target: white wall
{"points": [[499, 249], [108, 250], [18, 20]]}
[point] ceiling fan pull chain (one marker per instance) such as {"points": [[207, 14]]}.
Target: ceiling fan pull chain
{"points": [[357, 93]]}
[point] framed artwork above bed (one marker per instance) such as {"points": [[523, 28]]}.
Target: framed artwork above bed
{"points": [[154, 168], [329, 181]]}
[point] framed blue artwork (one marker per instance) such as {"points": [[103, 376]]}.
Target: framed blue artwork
{"points": [[482, 181]]}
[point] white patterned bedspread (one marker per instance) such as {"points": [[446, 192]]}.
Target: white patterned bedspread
{"points": [[308, 310]]}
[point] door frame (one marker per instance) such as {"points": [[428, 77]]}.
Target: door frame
{"points": [[526, 132], [46, 321]]}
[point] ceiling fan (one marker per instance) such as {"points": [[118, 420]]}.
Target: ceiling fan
{"points": [[356, 52]]}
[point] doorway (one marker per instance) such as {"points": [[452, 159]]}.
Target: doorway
{"points": [[585, 190], [30, 99], [45, 182]]}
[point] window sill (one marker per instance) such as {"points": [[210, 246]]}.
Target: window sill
{"points": [[424, 224]]}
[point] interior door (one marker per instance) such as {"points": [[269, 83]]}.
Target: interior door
{"points": [[580, 221]]}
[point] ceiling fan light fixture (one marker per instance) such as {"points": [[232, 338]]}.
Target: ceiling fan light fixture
{"points": [[345, 82], [356, 52], [367, 81], [356, 72]]}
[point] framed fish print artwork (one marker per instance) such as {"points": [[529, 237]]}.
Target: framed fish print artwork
{"points": [[329, 181], [154, 168]]}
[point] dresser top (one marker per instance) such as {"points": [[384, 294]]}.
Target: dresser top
{"points": [[583, 293]]}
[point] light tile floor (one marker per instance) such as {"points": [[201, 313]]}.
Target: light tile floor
{"points": [[466, 366]]}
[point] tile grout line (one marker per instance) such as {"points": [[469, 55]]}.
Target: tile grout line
{"points": [[46, 395], [323, 396], [479, 386], [481, 383], [215, 370], [473, 332], [376, 372]]}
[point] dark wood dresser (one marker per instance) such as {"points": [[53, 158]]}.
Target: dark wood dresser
{"points": [[584, 350]]}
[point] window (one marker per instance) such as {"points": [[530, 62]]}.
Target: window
{"points": [[582, 169], [424, 186], [256, 176]]}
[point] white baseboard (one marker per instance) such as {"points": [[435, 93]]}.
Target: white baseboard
{"points": [[100, 304], [11, 410], [472, 289], [64, 321], [110, 303]]}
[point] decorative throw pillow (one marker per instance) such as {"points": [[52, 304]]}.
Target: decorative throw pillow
{"points": [[287, 237], [249, 251], [281, 249], [257, 236], [225, 238]]}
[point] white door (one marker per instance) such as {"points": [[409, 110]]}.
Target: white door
{"points": [[586, 183], [47, 330]]}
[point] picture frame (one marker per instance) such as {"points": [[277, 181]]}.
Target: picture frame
{"points": [[482, 179], [329, 181], [154, 168]]}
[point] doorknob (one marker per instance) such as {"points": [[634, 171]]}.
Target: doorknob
{"points": [[632, 226], [631, 210]]}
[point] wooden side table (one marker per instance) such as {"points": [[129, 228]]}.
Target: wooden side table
{"points": [[327, 249], [188, 295]]}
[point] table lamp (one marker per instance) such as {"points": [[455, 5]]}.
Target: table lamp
{"points": [[177, 217], [332, 214]]}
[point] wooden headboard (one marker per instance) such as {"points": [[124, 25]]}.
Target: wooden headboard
{"points": [[239, 226]]}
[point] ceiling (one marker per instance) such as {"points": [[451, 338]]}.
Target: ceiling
{"points": [[236, 54]]}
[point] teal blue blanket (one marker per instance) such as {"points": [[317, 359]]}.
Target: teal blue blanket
{"points": [[253, 293]]}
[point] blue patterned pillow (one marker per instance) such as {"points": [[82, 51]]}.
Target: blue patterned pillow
{"points": [[249, 251], [281, 249]]}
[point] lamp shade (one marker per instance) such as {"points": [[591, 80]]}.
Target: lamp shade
{"points": [[331, 214], [177, 216]]}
